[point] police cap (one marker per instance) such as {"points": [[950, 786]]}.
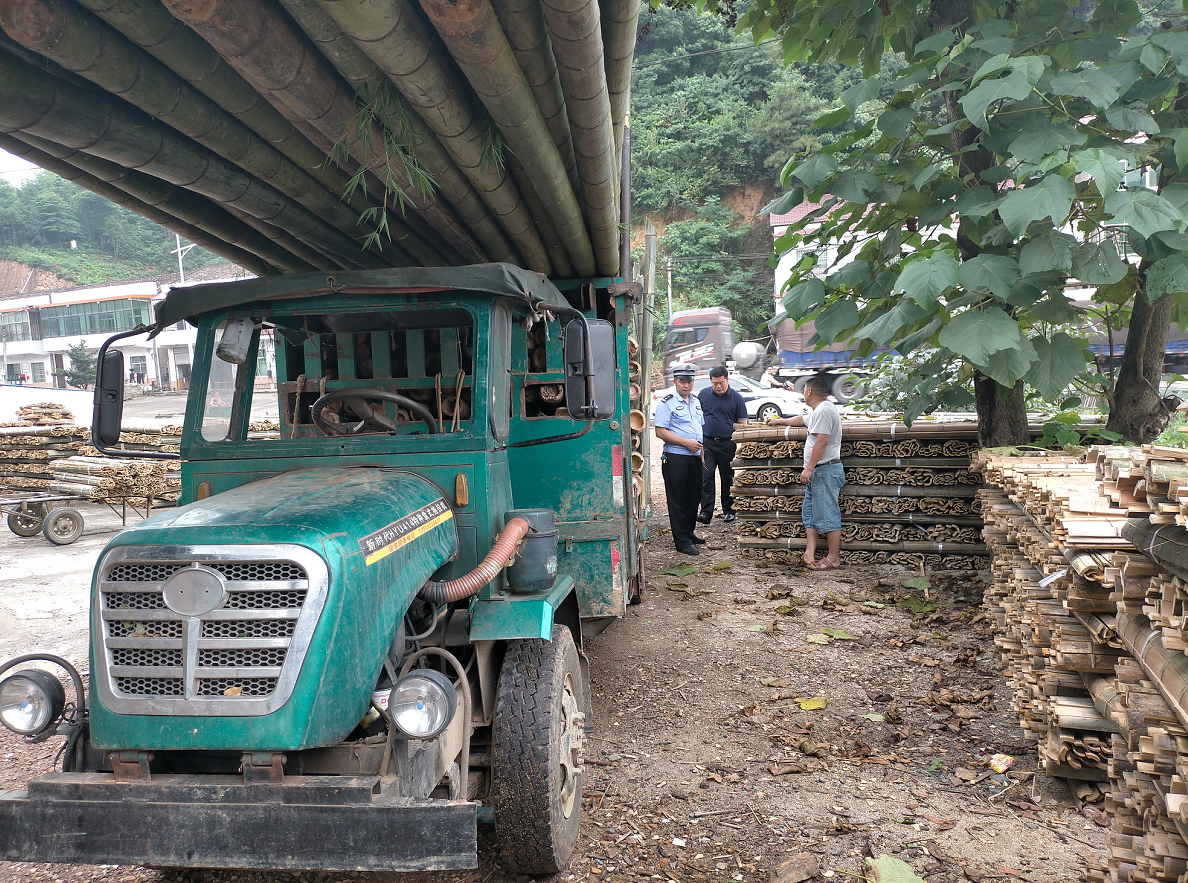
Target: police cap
{"points": [[684, 369]]}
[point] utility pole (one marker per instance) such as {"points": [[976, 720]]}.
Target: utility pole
{"points": [[181, 253], [670, 288]]}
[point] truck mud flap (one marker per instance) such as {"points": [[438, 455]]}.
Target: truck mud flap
{"points": [[307, 823]]}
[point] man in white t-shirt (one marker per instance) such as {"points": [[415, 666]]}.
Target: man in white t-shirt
{"points": [[823, 474]]}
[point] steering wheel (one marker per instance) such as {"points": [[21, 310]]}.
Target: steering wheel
{"points": [[356, 398]]}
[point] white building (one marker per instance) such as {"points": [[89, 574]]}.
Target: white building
{"points": [[37, 328]]}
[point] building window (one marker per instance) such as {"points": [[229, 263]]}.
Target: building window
{"points": [[139, 364], [101, 317], [12, 372], [14, 325], [39, 372]]}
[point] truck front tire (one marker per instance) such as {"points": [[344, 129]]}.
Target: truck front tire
{"points": [[537, 754]]}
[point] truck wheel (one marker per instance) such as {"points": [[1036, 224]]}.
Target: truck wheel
{"points": [[537, 754], [798, 384], [63, 526], [846, 387], [768, 411], [24, 524]]}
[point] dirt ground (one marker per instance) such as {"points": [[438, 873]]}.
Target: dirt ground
{"points": [[704, 765]]}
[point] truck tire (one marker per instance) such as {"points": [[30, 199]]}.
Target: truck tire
{"points": [[63, 526], [798, 384], [25, 524], [847, 387], [536, 754]]}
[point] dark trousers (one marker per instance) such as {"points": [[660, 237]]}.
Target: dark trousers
{"points": [[719, 453], [682, 487]]}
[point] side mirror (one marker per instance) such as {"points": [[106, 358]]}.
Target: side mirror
{"points": [[109, 400], [600, 369]]}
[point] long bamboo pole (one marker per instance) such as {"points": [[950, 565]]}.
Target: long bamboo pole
{"points": [[620, 19], [84, 44], [165, 197], [1167, 669], [362, 75], [575, 31], [472, 34], [38, 103], [251, 262], [404, 47], [266, 47], [558, 253], [523, 23], [147, 24]]}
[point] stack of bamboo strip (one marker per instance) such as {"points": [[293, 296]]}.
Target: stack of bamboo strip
{"points": [[42, 414], [27, 452], [110, 480], [639, 393], [909, 497]]}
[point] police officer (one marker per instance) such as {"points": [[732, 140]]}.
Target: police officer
{"points": [[679, 424]]}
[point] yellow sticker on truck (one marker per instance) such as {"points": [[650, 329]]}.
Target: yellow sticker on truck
{"points": [[403, 531]]}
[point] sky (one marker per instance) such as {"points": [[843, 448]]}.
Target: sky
{"points": [[15, 170]]}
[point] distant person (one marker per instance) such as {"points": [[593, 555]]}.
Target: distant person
{"points": [[770, 380], [679, 424], [22, 379], [722, 407], [823, 474]]}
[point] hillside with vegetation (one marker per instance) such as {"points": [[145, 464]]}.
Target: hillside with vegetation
{"points": [[40, 219]]}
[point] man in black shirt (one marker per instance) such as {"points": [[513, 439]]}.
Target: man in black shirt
{"points": [[723, 407]]}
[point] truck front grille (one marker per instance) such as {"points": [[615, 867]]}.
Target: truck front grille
{"points": [[240, 658]]}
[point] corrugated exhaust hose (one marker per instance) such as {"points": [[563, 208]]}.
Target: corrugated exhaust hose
{"points": [[463, 587]]}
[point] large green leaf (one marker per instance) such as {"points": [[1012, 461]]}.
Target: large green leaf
{"points": [[1106, 170], [926, 280], [1099, 86], [783, 204], [1144, 210], [1057, 362], [896, 122], [804, 298], [855, 186], [886, 326], [839, 316], [815, 169], [977, 333], [989, 272], [1008, 365], [1097, 263], [858, 95], [1033, 146], [1135, 118], [1051, 252], [853, 273], [1015, 85], [1168, 276], [1051, 198]]}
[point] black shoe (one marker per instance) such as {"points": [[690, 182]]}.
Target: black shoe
{"points": [[705, 517], [697, 541], [690, 550], [730, 518]]}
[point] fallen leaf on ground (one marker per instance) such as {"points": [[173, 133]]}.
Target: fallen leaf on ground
{"points": [[775, 682], [921, 659], [704, 614], [784, 769], [888, 869], [877, 718], [722, 565], [787, 609], [839, 634], [942, 824], [813, 749], [772, 627], [892, 712], [678, 570], [1011, 872], [873, 605], [819, 639], [918, 582], [812, 703], [911, 604], [672, 584]]}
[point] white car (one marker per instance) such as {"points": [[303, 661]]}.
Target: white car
{"points": [[761, 403]]}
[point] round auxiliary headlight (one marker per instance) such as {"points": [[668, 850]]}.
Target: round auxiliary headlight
{"points": [[422, 703], [31, 701]]}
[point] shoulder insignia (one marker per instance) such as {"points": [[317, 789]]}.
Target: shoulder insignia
{"points": [[667, 397]]}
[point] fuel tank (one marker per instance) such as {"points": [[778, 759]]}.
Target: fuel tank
{"points": [[257, 619]]}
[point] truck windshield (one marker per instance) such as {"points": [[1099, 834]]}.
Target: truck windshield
{"points": [[425, 358]]}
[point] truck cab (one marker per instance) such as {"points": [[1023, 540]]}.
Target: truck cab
{"points": [[364, 623]]}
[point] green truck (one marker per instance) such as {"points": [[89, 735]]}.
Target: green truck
{"points": [[359, 635]]}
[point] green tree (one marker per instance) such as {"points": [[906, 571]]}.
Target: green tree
{"points": [[83, 366], [983, 182]]}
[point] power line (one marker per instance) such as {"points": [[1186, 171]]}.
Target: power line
{"points": [[640, 67]]}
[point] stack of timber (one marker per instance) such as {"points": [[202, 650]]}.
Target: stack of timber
{"points": [[28, 451], [1089, 605], [909, 497], [41, 414], [113, 480]]}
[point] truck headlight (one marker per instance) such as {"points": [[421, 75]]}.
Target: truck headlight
{"points": [[422, 703], [31, 701]]}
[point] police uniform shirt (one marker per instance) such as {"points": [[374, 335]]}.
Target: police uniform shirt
{"points": [[684, 419]]}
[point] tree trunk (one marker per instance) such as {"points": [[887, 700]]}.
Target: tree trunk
{"points": [[1138, 412], [1002, 419]]}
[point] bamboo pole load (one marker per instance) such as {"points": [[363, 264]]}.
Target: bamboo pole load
{"points": [[909, 498], [1090, 569], [300, 135]]}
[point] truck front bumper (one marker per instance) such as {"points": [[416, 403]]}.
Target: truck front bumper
{"points": [[307, 823]]}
